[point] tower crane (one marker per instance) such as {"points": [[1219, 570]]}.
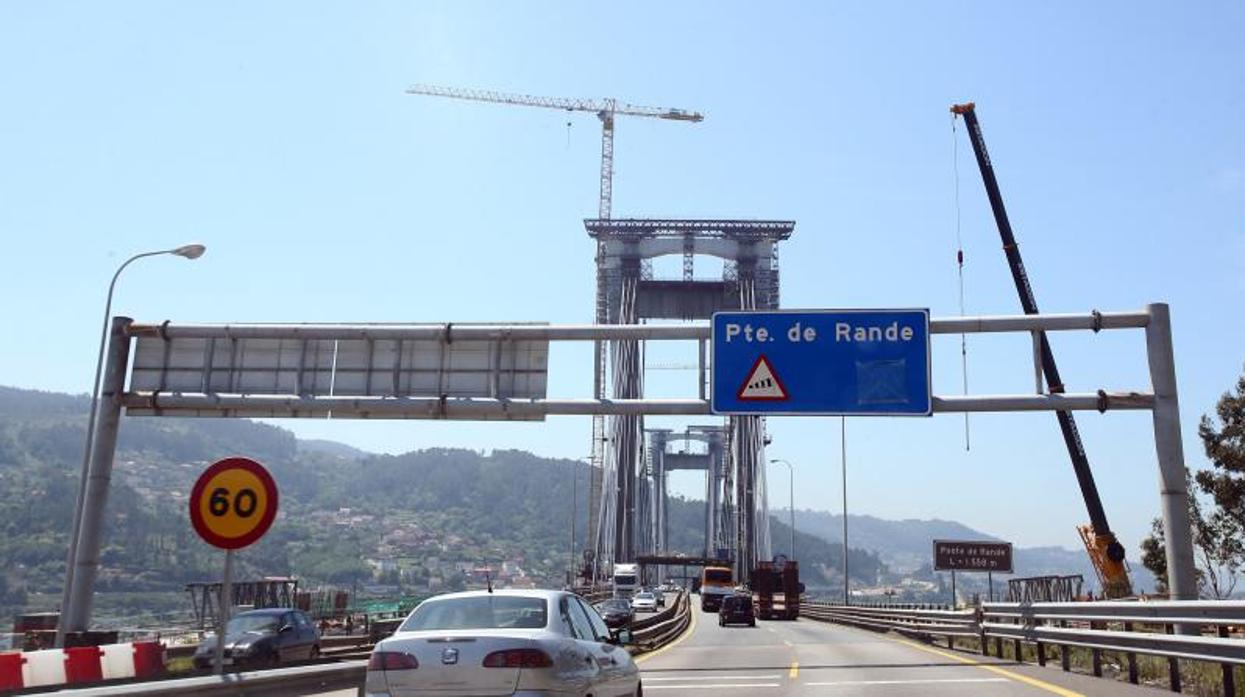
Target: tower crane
{"points": [[606, 110]]}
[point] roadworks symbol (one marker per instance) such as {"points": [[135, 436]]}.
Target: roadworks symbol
{"points": [[762, 384]]}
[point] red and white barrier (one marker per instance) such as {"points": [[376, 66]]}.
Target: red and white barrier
{"points": [[85, 664], [117, 661]]}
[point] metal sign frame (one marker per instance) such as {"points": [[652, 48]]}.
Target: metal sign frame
{"points": [[326, 361], [1161, 400]]}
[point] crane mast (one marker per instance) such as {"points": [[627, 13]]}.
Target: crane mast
{"points": [[606, 110], [1105, 551]]}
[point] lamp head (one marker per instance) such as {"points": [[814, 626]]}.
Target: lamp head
{"points": [[190, 251]]}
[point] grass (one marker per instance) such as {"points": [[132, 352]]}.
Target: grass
{"points": [[1197, 677], [184, 664]]}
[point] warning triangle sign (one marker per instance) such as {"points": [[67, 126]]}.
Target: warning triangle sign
{"points": [[762, 384]]}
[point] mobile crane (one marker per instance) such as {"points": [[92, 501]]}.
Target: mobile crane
{"points": [[1105, 551]]}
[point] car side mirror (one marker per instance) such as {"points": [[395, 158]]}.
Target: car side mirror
{"points": [[623, 637]]}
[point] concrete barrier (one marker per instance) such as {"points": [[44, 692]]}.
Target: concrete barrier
{"points": [[81, 665]]}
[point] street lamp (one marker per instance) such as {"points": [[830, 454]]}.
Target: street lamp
{"points": [[187, 251], [847, 582], [575, 510], [791, 479]]}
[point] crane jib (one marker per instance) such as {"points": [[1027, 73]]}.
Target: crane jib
{"points": [[1067, 424]]}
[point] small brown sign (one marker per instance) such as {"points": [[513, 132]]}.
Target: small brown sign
{"points": [[967, 555]]}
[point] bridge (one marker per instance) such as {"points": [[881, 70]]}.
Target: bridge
{"points": [[1008, 649], [500, 372]]}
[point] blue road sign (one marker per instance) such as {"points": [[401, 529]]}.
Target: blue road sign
{"points": [[826, 362]]}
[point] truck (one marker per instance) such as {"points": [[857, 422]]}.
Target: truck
{"points": [[626, 580], [716, 582], [776, 589]]}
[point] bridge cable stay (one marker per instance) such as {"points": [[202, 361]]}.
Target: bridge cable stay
{"points": [[959, 259]]}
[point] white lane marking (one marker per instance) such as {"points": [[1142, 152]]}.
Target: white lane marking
{"points": [[904, 682], [713, 677], [712, 687]]}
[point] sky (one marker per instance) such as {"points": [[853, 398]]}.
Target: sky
{"points": [[279, 135]]}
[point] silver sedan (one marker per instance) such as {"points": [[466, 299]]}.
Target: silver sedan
{"points": [[508, 642]]}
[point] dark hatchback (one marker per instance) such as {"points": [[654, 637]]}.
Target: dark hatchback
{"points": [[616, 612], [266, 637], [737, 609]]}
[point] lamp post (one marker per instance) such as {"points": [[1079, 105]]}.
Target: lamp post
{"points": [[187, 251], [791, 479], [575, 509], [847, 593]]}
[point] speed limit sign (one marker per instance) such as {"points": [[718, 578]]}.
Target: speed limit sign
{"points": [[233, 503]]}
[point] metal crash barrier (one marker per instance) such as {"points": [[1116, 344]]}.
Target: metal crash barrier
{"points": [[1194, 630]]}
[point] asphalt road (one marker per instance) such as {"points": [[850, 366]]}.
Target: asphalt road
{"points": [[814, 658]]}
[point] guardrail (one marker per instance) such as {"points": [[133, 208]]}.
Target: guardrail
{"points": [[657, 630], [1177, 630], [904, 620], [280, 681], [648, 633], [330, 642]]}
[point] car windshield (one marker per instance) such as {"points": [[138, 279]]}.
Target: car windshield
{"points": [[252, 623], [478, 612], [625, 580], [622, 605], [644, 596]]}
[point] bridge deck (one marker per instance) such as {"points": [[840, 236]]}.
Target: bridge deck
{"points": [[814, 658]]}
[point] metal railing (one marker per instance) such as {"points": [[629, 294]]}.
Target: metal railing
{"points": [[660, 629], [913, 621], [648, 633], [299, 680], [1193, 630]]}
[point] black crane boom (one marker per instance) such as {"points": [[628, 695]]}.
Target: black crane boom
{"points": [[1067, 424]]}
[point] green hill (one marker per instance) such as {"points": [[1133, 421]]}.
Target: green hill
{"points": [[346, 517]]}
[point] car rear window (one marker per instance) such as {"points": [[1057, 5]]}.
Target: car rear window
{"points": [[479, 612]]}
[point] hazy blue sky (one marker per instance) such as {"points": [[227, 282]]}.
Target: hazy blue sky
{"points": [[279, 135]]}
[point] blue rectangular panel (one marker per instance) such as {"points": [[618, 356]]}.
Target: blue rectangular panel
{"points": [[825, 362]]}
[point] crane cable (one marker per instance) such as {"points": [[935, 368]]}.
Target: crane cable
{"points": [[959, 258]]}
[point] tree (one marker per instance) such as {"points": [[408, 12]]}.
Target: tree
{"points": [[1225, 446], [1217, 536], [1154, 556]]}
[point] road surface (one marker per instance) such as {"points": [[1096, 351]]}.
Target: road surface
{"points": [[815, 658], [804, 658]]}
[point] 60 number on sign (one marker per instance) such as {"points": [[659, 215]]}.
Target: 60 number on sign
{"points": [[233, 503]]}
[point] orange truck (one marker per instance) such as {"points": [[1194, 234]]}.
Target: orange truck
{"points": [[716, 582]]}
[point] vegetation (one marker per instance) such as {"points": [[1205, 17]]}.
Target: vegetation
{"points": [[407, 523], [1218, 535]]}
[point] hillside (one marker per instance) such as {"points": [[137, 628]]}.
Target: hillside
{"points": [[407, 523], [906, 546]]}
